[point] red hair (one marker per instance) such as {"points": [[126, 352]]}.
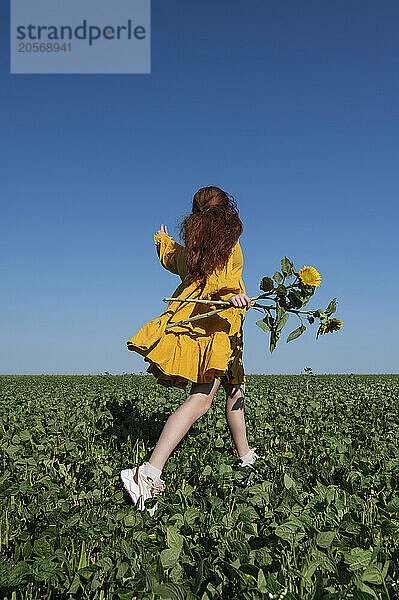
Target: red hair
{"points": [[210, 232]]}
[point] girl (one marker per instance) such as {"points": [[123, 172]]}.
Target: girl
{"points": [[207, 351]]}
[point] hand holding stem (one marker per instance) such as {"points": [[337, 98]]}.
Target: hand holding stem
{"points": [[241, 300]]}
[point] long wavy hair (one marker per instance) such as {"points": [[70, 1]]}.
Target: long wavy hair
{"points": [[210, 232]]}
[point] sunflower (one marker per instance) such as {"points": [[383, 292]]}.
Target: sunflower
{"points": [[309, 276], [331, 325]]}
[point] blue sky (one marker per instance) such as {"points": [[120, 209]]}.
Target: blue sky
{"points": [[292, 107]]}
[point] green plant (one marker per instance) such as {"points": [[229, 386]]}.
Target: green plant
{"points": [[289, 291]]}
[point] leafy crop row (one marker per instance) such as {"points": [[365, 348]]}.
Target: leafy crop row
{"points": [[320, 521]]}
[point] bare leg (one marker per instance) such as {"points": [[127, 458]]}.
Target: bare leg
{"points": [[235, 416], [197, 404]]}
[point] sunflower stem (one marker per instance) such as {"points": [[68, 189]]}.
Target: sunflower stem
{"points": [[199, 300], [227, 305], [196, 317], [204, 301]]}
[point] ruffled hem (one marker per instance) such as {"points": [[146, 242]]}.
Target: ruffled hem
{"points": [[175, 361], [183, 354], [172, 380]]}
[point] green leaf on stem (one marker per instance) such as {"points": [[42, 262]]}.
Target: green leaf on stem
{"points": [[281, 290], [306, 292], [295, 299], [263, 324], [282, 321], [331, 308], [286, 267], [278, 278], [266, 285], [273, 339], [296, 333]]}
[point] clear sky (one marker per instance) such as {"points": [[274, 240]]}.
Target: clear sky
{"points": [[290, 106]]}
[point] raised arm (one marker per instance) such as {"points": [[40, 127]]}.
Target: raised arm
{"points": [[169, 251]]}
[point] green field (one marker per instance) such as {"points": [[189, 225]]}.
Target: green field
{"points": [[321, 519]]}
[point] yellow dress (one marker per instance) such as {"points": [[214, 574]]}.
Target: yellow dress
{"points": [[200, 350]]}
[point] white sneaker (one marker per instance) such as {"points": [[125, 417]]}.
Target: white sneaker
{"points": [[254, 456], [140, 487], [248, 466]]}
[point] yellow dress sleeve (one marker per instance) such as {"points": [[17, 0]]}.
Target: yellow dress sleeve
{"points": [[169, 252], [226, 282]]}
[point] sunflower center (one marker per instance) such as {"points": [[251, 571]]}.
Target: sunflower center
{"points": [[308, 277]]}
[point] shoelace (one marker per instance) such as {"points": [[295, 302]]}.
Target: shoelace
{"points": [[254, 456], [157, 487]]}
